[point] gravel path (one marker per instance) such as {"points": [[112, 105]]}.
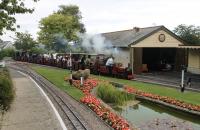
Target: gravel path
{"points": [[166, 124]]}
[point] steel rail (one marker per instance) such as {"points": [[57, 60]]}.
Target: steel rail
{"points": [[68, 110]]}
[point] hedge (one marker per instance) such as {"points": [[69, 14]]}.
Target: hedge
{"points": [[6, 89]]}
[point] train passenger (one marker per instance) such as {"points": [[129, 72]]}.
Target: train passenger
{"points": [[128, 70], [68, 62], [83, 60], [96, 65], [109, 64], [88, 61]]}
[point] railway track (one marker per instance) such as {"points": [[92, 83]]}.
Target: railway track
{"points": [[72, 119]]}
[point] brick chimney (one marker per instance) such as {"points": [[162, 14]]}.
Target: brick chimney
{"points": [[136, 29]]}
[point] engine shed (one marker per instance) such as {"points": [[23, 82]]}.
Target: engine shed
{"points": [[149, 49]]}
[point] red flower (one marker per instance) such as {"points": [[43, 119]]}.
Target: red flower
{"points": [[112, 119], [163, 98]]}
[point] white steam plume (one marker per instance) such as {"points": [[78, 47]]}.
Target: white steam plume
{"points": [[96, 43]]}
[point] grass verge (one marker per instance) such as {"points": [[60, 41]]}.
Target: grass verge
{"points": [[57, 77], [6, 89]]}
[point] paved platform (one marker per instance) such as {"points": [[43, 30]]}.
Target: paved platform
{"points": [[30, 109]]}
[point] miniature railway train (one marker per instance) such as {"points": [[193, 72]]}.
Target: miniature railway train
{"points": [[96, 63]]}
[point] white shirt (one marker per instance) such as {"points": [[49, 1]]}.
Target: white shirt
{"points": [[109, 62]]}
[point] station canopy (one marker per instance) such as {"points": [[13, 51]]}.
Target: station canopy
{"points": [[190, 47]]}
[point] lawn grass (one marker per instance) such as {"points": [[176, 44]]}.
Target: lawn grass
{"points": [[187, 96], [57, 77]]}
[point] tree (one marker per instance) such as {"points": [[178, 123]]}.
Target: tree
{"points": [[24, 42], [8, 52], [8, 8], [73, 10], [191, 33], [37, 50], [60, 26]]}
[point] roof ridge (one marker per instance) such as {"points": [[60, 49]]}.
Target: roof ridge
{"points": [[132, 29]]}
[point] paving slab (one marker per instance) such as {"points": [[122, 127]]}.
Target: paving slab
{"points": [[30, 110]]}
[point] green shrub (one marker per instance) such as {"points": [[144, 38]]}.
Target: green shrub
{"points": [[6, 89], [110, 94], [6, 53]]}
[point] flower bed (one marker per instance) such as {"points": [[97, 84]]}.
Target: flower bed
{"points": [[105, 114], [94, 104], [87, 87], [163, 98]]}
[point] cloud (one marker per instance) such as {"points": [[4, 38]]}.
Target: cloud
{"points": [[111, 15]]}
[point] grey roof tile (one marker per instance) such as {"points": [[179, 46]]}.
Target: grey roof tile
{"points": [[127, 37]]}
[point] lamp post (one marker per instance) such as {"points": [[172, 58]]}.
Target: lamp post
{"points": [[81, 78], [70, 63], [70, 67], [182, 78]]}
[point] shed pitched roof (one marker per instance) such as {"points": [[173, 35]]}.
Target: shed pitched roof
{"points": [[126, 37]]}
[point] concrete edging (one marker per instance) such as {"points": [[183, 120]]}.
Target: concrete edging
{"points": [[195, 113]]}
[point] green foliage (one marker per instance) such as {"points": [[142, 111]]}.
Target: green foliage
{"points": [[191, 33], [9, 52], [60, 28], [110, 94], [6, 89], [73, 10], [24, 42], [8, 8], [37, 50]]}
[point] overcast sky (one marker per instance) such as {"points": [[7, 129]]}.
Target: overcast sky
{"points": [[112, 15]]}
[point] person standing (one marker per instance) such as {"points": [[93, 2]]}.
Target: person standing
{"points": [[109, 64], [96, 65], [88, 61], [83, 62]]}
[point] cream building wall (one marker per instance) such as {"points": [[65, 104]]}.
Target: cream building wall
{"points": [[194, 61], [153, 41], [125, 55], [122, 55]]}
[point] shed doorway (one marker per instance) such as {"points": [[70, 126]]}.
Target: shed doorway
{"points": [[159, 59]]}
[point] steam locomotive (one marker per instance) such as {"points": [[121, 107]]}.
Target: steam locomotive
{"points": [[96, 63]]}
